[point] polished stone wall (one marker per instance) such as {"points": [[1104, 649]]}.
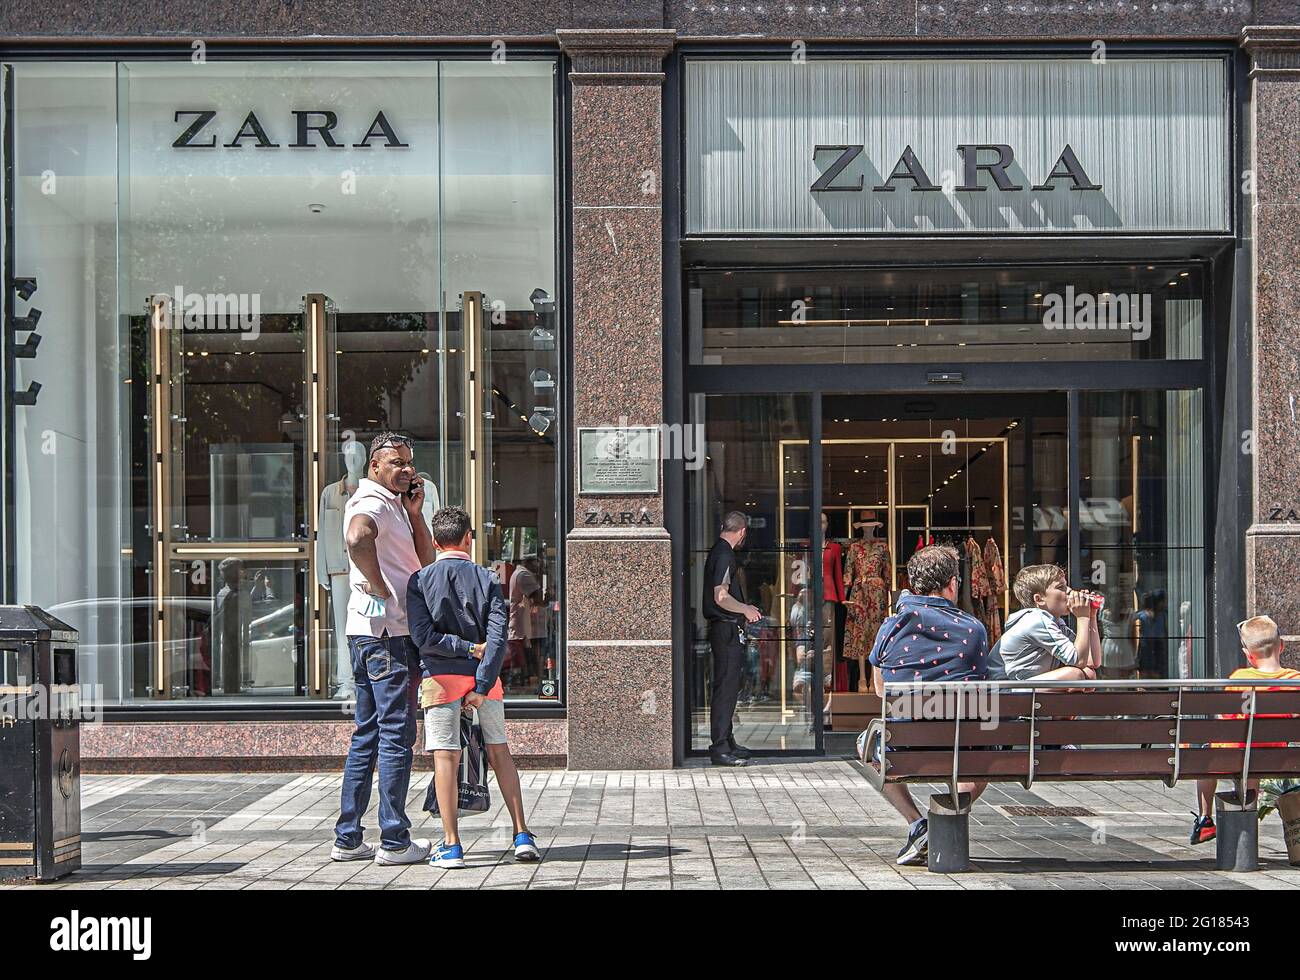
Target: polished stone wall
{"points": [[725, 19], [1273, 540], [231, 746], [618, 580]]}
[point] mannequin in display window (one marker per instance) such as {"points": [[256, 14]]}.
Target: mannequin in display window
{"points": [[332, 560], [432, 501], [332, 554], [866, 580], [834, 615], [231, 609]]}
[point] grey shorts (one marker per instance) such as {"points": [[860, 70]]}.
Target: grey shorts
{"points": [[442, 725]]}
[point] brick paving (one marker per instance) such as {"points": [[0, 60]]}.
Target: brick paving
{"points": [[780, 824]]}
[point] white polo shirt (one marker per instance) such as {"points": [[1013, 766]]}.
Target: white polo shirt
{"points": [[398, 560]]}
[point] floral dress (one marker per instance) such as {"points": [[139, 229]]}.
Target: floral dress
{"points": [[998, 582], [866, 579], [981, 591]]}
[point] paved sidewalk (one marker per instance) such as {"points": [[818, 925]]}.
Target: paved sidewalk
{"points": [[807, 824]]}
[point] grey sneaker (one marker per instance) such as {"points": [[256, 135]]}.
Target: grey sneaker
{"points": [[415, 852], [916, 851], [362, 852]]}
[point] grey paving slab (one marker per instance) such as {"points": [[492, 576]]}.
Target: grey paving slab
{"points": [[774, 825]]}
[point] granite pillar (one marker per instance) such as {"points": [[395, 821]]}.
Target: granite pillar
{"points": [[618, 574], [1273, 540]]}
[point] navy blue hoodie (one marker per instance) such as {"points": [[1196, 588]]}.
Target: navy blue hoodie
{"points": [[929, 639], [450, 606]]}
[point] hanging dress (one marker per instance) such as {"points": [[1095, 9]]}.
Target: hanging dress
{"points": [[866, 578], [981, 589], [998, 583]]}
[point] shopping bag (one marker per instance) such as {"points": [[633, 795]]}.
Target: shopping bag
{"points": [[472, 791]]}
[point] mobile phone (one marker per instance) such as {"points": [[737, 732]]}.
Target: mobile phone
{"points": [[414, 487]]}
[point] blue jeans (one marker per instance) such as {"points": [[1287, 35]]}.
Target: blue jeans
{"points": [[387, 675]]}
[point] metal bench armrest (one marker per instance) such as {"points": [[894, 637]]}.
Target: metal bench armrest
{"points": [[876, 779]]}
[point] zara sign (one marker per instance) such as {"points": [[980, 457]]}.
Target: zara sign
{"points": [[312, 128], [919, 146], [908, 167]]}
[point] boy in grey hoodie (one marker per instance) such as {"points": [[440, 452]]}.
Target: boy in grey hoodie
{"points": [[1036, 642]]}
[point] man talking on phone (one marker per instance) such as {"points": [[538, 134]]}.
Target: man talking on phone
{"points": [[387, 542]]}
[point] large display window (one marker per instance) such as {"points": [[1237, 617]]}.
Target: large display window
{"points": [[254, 267]]}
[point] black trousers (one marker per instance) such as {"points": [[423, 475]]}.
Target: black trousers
{"points": [[728, 665]]}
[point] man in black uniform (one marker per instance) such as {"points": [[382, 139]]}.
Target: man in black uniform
{"points": [[726, 612]]}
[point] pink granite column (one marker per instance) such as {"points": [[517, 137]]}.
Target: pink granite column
{"points": [[1273, 540], [618, 577]]}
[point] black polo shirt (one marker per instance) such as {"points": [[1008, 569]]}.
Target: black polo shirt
{"points": [[720, 567]]}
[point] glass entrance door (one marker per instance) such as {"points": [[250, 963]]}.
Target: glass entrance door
{"points": [[239, 414], [758, 463], [241, 485], [840, 490]]}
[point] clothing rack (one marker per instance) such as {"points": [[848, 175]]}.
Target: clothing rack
{"points": [[950, 527]]}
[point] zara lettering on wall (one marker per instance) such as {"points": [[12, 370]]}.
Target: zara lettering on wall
{"points": [[312, 128], [994, 158], [605, 518]]}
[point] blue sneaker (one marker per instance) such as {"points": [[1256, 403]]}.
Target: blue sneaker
{"points": [[526, 847], [447, 856]]}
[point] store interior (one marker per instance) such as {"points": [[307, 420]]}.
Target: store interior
{"points": [[897, 473]]}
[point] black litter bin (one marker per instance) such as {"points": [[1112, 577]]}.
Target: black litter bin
{"points": [[40, 746]]}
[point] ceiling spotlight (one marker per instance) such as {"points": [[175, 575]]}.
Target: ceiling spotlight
{"points": [[27, 397], [542, 302], [25, 286], [315, 208], [540, 420], [27, 322]]}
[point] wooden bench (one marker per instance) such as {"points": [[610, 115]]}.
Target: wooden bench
{"points": [[1029, 732]]}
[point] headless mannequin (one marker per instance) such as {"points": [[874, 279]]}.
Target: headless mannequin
{"points": [[832, 609], [332, 560], [870, 532], [432, 502]]}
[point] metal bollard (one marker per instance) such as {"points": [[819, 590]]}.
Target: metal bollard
{"points": [[949, 848], [1236, 842]]}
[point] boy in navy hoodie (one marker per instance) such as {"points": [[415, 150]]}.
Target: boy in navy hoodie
{"points": [[927, 639], [457, 616]]}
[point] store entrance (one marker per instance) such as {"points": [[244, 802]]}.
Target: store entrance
{"points": [[915, 471], [863, 481]]}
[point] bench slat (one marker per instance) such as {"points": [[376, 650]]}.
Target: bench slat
{"points": [[1234, 702], [1099, 702], [1010, 765], [1091, 732]]}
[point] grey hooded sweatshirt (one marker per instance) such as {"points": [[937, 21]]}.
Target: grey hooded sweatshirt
{"points": [[1032, 643]]}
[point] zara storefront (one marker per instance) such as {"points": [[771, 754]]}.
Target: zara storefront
{"points": [[1019, 293], [244, 270], [979, 302]]}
